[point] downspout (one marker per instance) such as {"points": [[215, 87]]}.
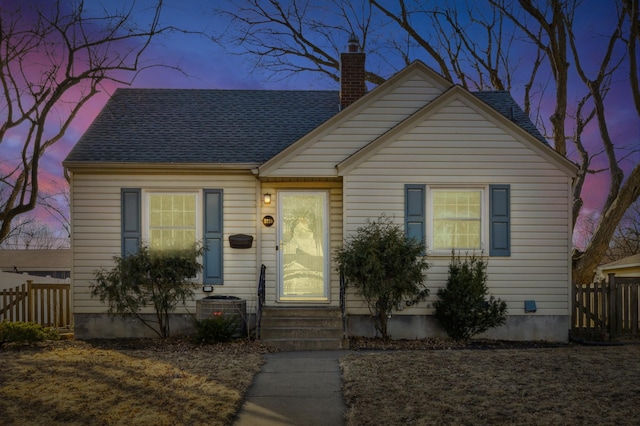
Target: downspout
{"points": [[258, 237], [69, 178]]}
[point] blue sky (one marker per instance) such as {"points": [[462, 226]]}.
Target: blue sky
{"points": [[208, 65]]}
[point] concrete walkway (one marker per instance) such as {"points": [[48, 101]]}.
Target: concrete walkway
{"points": [[296, 388]]}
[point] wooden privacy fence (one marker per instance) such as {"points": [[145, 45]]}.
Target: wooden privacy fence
{"points": [[605, 310], [46, 304]]}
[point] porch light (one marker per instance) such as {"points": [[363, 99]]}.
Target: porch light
{"points": [[266, 198]]}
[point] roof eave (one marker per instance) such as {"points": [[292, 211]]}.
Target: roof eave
{"points": [[178, 168]]}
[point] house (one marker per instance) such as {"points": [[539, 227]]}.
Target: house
{"points": [[42, 263], [625, 267], [300, 171]]}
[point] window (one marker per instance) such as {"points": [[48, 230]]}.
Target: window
{"points": [[470, 218], [175, 220], [456, 219], [172, 220]]}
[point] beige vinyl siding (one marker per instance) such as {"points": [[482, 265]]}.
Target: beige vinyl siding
{"points": [[96, 228], [458, 146], [269, 235], [396, 104]]}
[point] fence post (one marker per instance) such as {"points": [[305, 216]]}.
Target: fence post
{"points": [[613, 312], [634, 310], [29, 301]]}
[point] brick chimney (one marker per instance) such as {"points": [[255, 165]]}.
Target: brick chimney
{"points": [[352, 85]]}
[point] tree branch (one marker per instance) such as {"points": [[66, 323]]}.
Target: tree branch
{"points": [[38, 92]]}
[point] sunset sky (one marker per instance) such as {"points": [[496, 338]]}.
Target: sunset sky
{"points": [[207, 65]]}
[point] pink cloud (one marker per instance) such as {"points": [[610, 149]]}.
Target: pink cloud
{"points": [[207, 66]]}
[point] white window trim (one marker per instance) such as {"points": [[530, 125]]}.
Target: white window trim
{"points": [[146, 193], [484, 218]]}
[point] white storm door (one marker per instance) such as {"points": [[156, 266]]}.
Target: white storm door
{"points": [[303, 246]]}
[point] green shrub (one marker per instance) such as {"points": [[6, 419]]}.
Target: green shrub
{"points": [[25, 332], [160, 279], [385, 267], [462, 308], [218, 328]]}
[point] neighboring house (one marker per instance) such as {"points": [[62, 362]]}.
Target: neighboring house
{"points": [[626, 267], [457, 169], [10, 280], [42, 263]]}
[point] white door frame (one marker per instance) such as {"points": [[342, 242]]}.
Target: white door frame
{"points": [[282, 249]]}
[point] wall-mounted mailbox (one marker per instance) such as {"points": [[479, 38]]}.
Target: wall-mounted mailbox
{"points": [[240, 241]]}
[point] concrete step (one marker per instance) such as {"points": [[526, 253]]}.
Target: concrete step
{"points": [[302, 322], [313, 312], [303, 328], [269, 333], [287, 345]]}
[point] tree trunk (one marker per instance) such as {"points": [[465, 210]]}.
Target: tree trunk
{"points": [[585, 264], [382, 319]]}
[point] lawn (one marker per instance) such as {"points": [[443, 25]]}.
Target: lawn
{"points": [[111, 383], [167, 383], [539, 386]]}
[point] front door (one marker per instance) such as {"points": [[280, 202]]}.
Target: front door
{"points": [[302, 255]]}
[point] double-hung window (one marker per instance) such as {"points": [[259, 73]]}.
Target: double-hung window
{"points": [[466, 218], [456, 219], [173, 220]]}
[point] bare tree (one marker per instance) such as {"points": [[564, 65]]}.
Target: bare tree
{"points": [[626, 239], [290, 38], [55, 57], [58, 204], [557, 22], [28, 233], [632, 10], [475, 45]]}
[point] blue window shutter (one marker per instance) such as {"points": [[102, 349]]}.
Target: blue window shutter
{"points": [[131, 220], [499, 220], [414, 211], [213, 236]]}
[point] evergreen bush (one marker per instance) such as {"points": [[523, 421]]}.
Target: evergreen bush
{"points": [[385, 267], [462, 308], [25, 332], [160, 279], [218, 328]]}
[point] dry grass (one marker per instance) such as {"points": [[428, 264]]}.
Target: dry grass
{"points": [[160, 383], [567, 385], [142, 383]]}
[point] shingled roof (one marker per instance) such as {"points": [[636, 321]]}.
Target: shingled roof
{"points": [[201, 126], [220, 126], [503, 102]]}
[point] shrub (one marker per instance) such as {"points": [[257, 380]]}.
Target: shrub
{"points": [[218, 328], [384, 267], [25, 332], [156, 278], [462, 308]]}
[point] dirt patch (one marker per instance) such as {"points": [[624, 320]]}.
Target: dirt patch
{"points": [[570, 384], [138, 382]]}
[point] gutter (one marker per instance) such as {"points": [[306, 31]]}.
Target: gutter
{"points": [[178, 168]]}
